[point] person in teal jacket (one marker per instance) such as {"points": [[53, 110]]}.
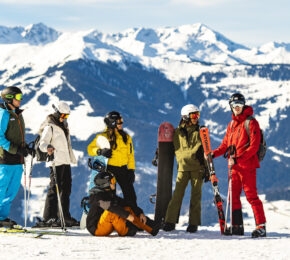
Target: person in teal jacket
{"points": [[13, 149]]}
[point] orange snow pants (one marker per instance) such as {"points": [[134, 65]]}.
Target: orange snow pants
{"points": [[110, 221]]}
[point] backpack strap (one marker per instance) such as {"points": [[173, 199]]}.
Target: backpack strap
{"points": [[247, 127]]}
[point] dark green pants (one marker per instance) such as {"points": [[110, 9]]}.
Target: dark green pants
{"points": [[183, 177]]}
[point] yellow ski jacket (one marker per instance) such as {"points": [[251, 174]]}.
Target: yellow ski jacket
{"points": [[121, 156]]}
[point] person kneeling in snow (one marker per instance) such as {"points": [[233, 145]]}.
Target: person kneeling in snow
{"points": [[108, 212]]}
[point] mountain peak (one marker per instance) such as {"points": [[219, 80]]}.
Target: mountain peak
{"points": [[33, 34]]}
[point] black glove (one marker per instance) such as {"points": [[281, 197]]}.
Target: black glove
{"points": [[131, 176], [105, 152], [206, 175], [23, 151]]}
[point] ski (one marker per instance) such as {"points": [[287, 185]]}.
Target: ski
{"points": [[20, 233], [204, 135], [29, 231]]}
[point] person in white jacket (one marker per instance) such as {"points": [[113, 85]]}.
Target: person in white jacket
{"points": [[55, 139]]}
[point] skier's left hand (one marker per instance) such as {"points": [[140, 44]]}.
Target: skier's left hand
{"points": [[131, 175], [231, 161], [143, 219]]}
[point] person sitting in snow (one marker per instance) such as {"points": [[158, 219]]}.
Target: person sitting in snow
{"points": [[109, 213]]}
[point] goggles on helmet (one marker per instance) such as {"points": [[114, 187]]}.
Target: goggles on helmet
{"points": [[16, 96], [64, 116], [194, 115], [237, 104]]}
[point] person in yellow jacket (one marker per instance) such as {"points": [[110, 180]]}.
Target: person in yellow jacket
{"points": [[121, 154]]}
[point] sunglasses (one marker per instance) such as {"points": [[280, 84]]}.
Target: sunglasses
{"points": [[17, 96], [64, 116], [194, 115], [233, 105], [120, 121]]}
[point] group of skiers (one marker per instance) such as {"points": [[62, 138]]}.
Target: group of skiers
{"points": [[109, 212]]}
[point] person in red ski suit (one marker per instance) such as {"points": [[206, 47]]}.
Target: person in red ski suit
{"points": [[243, 163]]}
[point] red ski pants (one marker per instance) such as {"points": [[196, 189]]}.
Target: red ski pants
{"points": [[247, 181]]}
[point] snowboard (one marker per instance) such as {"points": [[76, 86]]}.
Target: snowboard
{"points": [[165, 170], [204, 135], [99, 160]]}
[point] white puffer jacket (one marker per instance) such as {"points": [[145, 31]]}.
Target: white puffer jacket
{"points": [[55, 136]]}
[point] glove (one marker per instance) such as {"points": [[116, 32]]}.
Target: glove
{"points": [[131, 176], [23, 151], [105, 152], [206, 175]]}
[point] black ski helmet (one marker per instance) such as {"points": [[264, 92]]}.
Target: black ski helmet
{"points": [[9, 93], [111, 119], [237, 97], [103, 180]]}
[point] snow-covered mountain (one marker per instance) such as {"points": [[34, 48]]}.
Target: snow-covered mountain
{"points": [[148, 75]]}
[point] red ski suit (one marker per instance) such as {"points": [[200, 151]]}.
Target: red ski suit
{"points": [[244, 171]]}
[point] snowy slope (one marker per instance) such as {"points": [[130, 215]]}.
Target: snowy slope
{"points": [[207, 243]]}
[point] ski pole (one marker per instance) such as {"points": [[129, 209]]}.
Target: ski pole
{"points": [[25, 199], [32, 144], [61, 216], [29, 187]]}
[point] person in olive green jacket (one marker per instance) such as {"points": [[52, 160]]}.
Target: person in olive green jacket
{"points": [[190, 164]]}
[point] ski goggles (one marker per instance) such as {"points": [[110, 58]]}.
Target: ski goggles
{"points": [[194, 115], [16, 96], [235, 104], [64, 116], [120, 121]]}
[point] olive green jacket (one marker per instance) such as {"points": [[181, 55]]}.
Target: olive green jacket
{"points": [[188, 148]]}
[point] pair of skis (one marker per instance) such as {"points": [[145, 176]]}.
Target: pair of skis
{"points": [[204, 135]]}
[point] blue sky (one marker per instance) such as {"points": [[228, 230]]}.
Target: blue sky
{"points": [[249, 22]]}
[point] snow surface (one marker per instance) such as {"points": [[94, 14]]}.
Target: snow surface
{"points": [[207, 243]]}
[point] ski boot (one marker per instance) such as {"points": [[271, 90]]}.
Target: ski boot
{"points": [[260, 231], [8, 223], [192, 228], [237, 230], [50, 223], [71, 222], [168, 227]]}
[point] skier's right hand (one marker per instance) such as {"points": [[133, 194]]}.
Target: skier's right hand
{"points": [[206, 156], [23, 151], [105, 152], [50, 149]]}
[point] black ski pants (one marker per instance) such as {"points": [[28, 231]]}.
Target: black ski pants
{"points": [[124, 179], [64, 181]]}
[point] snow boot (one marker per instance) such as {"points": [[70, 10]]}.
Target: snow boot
{"points": [[168, 226], [192, 228], [260, 231], [8, 223]]}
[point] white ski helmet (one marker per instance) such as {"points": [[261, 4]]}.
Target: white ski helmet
{"points": [[190, 108], [62, 108]]}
